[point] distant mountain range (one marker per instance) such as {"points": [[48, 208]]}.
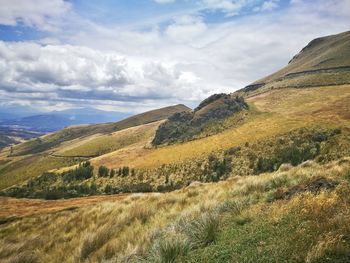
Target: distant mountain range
{"points": [[26, 124], [53, 121]]}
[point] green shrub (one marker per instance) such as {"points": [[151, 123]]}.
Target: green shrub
{"points": [[103, 171], [125, 171]]}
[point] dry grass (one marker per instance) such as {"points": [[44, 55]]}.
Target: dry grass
{"points": [[280, 112], [104, 143], [283, 110], [20, 169], [125, 228], [13, 207]]}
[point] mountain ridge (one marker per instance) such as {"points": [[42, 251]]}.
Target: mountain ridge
{"points": [[324, 61]]}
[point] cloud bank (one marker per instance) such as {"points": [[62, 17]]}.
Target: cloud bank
{"points": [[181, 61]]}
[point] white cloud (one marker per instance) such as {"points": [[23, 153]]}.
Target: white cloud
{"points": [[186, 28], [66, 73], [269, 5], [180, 62], [164, 1], [230, 7], [43, 14]]}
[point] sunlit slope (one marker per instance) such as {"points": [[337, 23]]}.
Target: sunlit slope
{"points": [[19, 168], [99, 144], [64, 148], [53, 140], [276, 112], [250, 218], [324, 61]]}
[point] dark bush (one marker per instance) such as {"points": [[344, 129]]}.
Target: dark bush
{"points": [[103, 171], [83, 172]]}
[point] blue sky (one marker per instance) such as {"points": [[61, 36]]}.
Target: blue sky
{"points": [[136, 55]]}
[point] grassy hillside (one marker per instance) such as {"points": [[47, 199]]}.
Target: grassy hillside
{"points": [[187, 126], [309, 123], [50, 141], [298, 214], [74, 144], [275, 113], [324, 61], [100, 144]]}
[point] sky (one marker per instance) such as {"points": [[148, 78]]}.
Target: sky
{"points": [[136, 55]]}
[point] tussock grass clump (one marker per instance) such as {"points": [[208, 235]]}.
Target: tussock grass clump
{"points": [[168, 250], [203, 230], [233, 206], [94, 241], [186, 234]]}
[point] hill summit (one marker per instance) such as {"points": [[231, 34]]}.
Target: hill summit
{"points": [[324, 61]]}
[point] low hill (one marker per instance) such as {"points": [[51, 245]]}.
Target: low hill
{"points": [[324, 61], [185, 126], [70, 133], [72, 145]]}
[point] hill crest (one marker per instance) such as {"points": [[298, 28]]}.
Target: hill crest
{"points": [[324, 61]]}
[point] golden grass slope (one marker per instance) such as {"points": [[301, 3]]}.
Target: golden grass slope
{"points": [[119, 229], [18, 169], [53, 140], [324, 61], [276, 112], [103, 143], [74, 144]]}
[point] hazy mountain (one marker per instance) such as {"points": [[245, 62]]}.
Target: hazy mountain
{"points": [[53, 121]]}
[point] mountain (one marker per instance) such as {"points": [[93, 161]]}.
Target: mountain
{"points": [[324, 61], [19, 126], [57, 120], [73, 132], [41, 123]]}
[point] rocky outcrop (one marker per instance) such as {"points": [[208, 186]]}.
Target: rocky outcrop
{"points": [[186, 125]]}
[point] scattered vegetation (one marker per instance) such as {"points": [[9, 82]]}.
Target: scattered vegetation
{"points": [[186, 125], [237, 219], [293, 148]]}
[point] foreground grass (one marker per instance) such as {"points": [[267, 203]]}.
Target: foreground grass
{"points": [[244, 219]]}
